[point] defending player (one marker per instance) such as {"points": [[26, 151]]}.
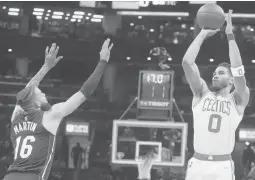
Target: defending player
{"points": [[33, 131], [216, 113], [50, 61]]}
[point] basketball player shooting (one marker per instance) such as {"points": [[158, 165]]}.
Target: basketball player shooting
{"points": [[216, 113], [34, 128]]}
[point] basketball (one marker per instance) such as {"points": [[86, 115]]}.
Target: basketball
{"points": [[210, 16]]}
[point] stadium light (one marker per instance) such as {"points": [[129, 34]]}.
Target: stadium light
{"points": [[183, 26], [77, 17], [14, 9], [175, 41], [79, 12], [98, 16], [39, 9], [38, 17], [95, 20], [58, 13], [56, 17], [13, 13], [38, 13]]}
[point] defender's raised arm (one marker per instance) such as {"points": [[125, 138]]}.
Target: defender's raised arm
{"points": [[63, 109]]}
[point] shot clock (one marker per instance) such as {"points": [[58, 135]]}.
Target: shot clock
{"points": [[155, 90]]}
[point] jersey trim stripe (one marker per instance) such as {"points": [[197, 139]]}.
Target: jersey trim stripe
{"points": [[232, 169], [234, 101], [52, 142], [206, 92]]}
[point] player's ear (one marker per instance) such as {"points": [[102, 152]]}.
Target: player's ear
{"points": [[38, 104], [231, 80]]}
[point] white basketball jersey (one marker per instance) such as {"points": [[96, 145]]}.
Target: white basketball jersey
{"points": [[215, 121]]}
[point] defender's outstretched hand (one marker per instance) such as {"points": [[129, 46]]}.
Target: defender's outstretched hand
{"points": [[106, 50], [51, 58], [229, 27]]}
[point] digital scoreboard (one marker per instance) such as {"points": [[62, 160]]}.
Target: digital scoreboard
{"points": [[155, 90]]}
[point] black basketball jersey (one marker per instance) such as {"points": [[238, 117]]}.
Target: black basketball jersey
{"points": [[33, 145]]}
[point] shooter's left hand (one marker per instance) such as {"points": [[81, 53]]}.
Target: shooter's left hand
{"points": [[229, 27]]}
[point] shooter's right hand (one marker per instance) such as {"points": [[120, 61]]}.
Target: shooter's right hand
{"points": [[209, 32], [106, 50]]}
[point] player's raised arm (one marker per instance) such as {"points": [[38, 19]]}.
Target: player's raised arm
{"points": [[197, 84], [51, 60], [63, 109], [242, 92]]}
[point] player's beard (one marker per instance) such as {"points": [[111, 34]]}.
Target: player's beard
{"points": [[220, 86], [45, 106]]}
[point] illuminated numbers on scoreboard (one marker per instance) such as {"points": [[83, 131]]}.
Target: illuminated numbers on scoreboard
{"points": [[155, 78], [214, 123]]}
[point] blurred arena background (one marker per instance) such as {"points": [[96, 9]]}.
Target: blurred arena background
{"points": [[146, 36]]}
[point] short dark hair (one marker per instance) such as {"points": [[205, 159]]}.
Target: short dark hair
{"points": [[226, 65]]}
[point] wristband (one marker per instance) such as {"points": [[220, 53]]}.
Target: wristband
{"points": [[231, 37], [238, 71]]}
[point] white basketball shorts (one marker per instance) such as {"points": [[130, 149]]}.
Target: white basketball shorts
{"points": [[210, 170]]}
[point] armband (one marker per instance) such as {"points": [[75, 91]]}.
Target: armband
{"points": [[238, 71]]}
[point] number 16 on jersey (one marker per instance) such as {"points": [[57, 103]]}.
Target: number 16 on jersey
{"points": [[23, 147]]}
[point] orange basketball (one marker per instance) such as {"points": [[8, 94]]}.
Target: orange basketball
{"points": [[210, 16]]}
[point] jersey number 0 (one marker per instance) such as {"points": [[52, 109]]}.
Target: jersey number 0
{"points": [[24, 148], [214, 123]]}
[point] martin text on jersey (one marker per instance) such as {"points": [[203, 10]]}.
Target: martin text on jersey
{"points": [[24, 126]]}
